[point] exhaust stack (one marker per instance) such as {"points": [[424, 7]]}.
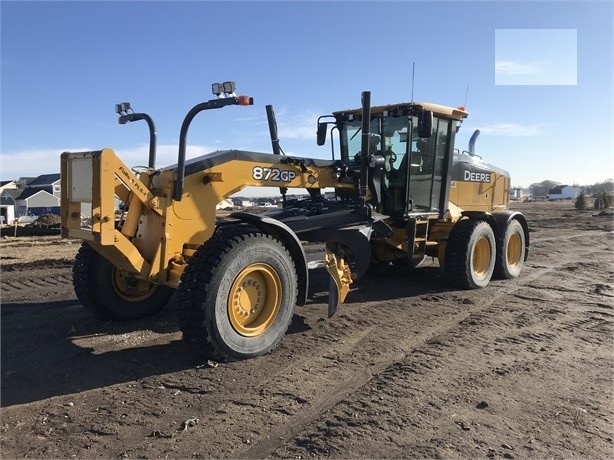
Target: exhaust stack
{"points": [[472, 140]]}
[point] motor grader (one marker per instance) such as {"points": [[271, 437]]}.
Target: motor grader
{"points": [[401, 193]]}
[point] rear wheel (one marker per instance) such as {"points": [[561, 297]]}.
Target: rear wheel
{"points": [[111, 293], [237, 295], [510, 251], [470, 254]]}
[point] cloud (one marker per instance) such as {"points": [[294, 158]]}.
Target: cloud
{"points": [[518, 68], [166, 155], [299, 126], [512, 129], [33, 163]]}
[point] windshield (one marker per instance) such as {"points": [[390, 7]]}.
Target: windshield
{"points": [[388, 137], [412, 173]]}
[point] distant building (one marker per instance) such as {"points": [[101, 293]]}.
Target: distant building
{"points": [[266, 203], [516, 193], [7, 209], [40, 196], [242, 202], [563, 192], [224, 204], [7, 185], [8, 192], [22, 182]]}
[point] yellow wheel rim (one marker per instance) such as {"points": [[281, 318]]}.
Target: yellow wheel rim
{"points": [[514, 250], [254, 300], [481, 257], [130, 288]]}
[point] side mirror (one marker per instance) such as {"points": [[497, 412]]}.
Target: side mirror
{"points": [[425, 123], [321, 139]]}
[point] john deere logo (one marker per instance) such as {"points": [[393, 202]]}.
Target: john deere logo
{"points": [[471, 176]]}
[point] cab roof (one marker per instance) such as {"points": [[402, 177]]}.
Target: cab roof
{"points": [[437, 109]]}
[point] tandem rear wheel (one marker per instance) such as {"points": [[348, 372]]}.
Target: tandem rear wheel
{"points": [[470, 254], [237, 294], [511, 248], [473, 255]]}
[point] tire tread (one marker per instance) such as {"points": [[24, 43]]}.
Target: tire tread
{"points": [[195, 282], [458, 253], [89, 284]]}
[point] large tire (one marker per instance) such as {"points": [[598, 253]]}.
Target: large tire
{"points": [[112, 294], [470, 254], [510, 251], [237, 295]]}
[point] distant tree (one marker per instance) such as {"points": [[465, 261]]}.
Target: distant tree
{"points": [[542, 188], [603, 201], [581, 201], [596, 189], [598, 204]]}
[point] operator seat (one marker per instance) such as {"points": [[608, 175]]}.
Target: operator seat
{"points": [[394, 198]]}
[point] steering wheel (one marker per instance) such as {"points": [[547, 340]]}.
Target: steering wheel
{"points": [[390, 153], [391, 157]]}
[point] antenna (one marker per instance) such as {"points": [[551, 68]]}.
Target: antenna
{"points": [[466, 95], [413, 70]]}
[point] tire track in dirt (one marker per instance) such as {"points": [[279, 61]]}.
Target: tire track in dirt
{"points": [[250, 403], [342, 350], [13, 284], [356, 380], [583, 235], [362, 412], [36, 282]]}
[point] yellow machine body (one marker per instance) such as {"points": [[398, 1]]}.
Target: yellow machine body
{"points": [[402, 193], [159, 233]]}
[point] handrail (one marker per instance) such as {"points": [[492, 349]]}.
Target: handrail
{"points": [[211, 104]]}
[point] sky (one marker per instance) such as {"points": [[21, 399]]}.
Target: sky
{"points": [[535, 77]]}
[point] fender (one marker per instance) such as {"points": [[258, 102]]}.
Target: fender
{"points": [[284, 234], [358, 240]]}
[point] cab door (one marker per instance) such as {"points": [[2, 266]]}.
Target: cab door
{"points": [[428, 163]]}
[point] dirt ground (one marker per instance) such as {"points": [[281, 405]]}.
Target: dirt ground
{"points": [[408, 368]]}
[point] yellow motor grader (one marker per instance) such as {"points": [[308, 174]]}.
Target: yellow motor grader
{"points": [[401, 193]]}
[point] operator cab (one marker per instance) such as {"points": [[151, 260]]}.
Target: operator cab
{"points": [[410, 148]]}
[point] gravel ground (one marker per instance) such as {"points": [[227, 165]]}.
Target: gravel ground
{"points": [[407, 368]]}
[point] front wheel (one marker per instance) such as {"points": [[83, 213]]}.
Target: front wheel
{"points": [[510, 251], [470, 254], [237, 295], [111, 293]]}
